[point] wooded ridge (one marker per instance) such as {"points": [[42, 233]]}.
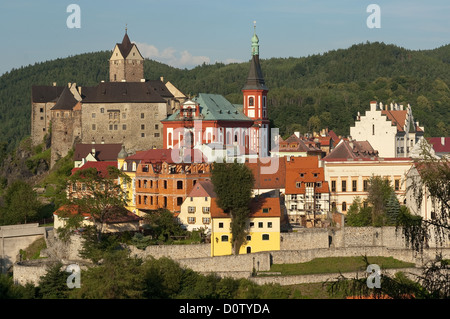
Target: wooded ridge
{"points": [[306, 93]]}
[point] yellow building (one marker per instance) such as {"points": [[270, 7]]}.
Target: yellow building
{"points": [[129, 168], [263, 228]]}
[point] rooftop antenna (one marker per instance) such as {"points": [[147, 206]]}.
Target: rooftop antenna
{"points": [[126, 27]]}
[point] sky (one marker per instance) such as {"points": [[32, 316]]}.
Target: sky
{"points": [[186, 33]]}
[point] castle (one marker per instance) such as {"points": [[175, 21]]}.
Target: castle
{"points": [[126, 110]]}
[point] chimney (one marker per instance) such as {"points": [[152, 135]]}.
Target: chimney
{"points": [[93, 152], [443, 141], [373, 105], [401, 107], [142, 80], [297, 134], [54, 83], [162, 79]]}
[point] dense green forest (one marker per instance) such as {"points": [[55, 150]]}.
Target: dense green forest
{"points": [[306, 93]]}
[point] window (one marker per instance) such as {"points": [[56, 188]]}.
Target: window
{"points": [[294, 196], [373, 129], [205, 210], [142, 126], [124, 116], [142, 134], [124, 127], [344, 186], [248, 238], [333, 186], [298, 184], [354, 185], [344, 206], [102, 110], [397, 184], [156, 126], [41, 110], [179, 184], [365, 185], [293, 207], [206, 220], [265, 210], [191, 209], [142, 115], [265, 237], [224, 238], [220, 225], [115, 127], [94, 127], [251, 101], [110, 127], [269, 224], [156, 135], [93, 115], [191, 220], [260, 225], [179, 201], [165, 184]]}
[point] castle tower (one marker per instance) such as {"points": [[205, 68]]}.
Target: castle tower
{"points": [[255, 102], [126, 62]]}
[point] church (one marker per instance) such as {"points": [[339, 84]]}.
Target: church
{"points": [[127, 110], [212, 120]]}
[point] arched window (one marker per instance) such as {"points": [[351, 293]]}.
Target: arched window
{"points": [[251, 101]]}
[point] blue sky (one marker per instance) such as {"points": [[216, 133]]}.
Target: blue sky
{"points": [[190, 32]]}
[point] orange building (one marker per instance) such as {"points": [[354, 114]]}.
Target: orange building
{"points": [[165, 182]]}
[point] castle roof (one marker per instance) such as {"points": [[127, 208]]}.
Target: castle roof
{"points": [[123, 92], [45, 93], [66, 100]]}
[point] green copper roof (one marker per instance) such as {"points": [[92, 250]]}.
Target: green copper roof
{"points": [[215, 107]]}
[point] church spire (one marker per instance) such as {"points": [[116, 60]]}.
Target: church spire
{"points": [[255, 41]]}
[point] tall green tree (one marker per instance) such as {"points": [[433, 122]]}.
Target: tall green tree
{"points": [[380, 192], [233, 184], [21, 204]]}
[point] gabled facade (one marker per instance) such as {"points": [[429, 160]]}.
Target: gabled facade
{"points": [[126, 62], [307, 192], [195, 210], [390, 129]]}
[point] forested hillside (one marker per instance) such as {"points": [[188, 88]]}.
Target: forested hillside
{"points": [[307, 93]]}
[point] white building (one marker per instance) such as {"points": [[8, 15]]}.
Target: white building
{"points": [[349, 167], [390, 129]]}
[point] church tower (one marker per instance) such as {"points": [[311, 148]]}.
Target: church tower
{"points": [[255, 102], [255, 90], [126, 62]]}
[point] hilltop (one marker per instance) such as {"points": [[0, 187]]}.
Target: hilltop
{"points": [[306, 93]]}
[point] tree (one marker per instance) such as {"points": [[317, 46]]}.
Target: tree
{"points": [[163, 224], [21, 203], [99, 194], [233, 184], [53, 285], [358, 215], [379, 193]]}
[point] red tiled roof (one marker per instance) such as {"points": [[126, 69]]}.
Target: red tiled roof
{"points": [[304, 170], [169, 156], [102, 167], [440, 144], [276, 166], [203, 189], [118, 214], [352, 150], [258, 208]]}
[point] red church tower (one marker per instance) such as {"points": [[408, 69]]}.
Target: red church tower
{"points": [[255, 102]]}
